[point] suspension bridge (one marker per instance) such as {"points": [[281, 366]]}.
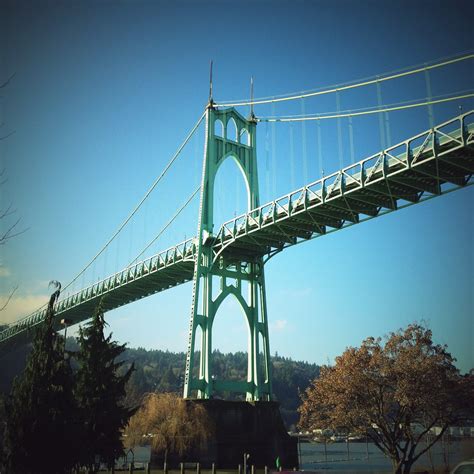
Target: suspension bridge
{"points": [[231, 259]]}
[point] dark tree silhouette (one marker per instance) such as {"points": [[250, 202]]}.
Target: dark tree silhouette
{"points": [[41, 410], [100, 393]]}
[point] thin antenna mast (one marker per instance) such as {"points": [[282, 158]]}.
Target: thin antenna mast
{"points": [[210, 85], [252, 115]]}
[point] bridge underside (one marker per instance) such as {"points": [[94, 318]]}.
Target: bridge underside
{"points": [[403, 175], [432, 163], [161, 272]]}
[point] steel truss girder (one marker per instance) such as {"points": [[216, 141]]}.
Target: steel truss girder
{"points": [[430, 162], [164, 270], [372, 198]]}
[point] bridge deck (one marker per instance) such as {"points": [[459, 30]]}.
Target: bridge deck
{"points": [[430, 164], [160, 272]]}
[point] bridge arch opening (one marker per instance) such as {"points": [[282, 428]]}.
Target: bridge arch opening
{"points": [[198, 334], [218, 128], [231, 191], [231, 130], [262, 374], [230, 334], [244, 137]]}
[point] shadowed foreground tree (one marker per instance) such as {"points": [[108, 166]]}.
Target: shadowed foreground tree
{"points": [[395, 393], [176, 425], [40, 430], [100, 392]]}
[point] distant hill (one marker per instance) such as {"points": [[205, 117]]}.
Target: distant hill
{"points": [[163, 371]]}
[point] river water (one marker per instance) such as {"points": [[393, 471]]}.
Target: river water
{"points": [[357, 458], [366, 458]]}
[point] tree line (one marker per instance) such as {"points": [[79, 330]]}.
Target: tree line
{"points": [[163, 372], [158, 371]]}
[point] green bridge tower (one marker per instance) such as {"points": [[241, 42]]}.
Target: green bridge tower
{"points": [[239, 274]]}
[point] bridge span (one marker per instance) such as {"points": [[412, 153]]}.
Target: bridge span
{"points": [[427, 165]]}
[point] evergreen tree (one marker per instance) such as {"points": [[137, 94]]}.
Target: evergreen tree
{"points": [[100, 392], [169, 381], [40, 430]]}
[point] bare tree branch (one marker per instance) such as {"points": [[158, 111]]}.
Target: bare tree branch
{"points": [[9, 234], [7, 135], [5, 84], [9, 298], [2, 86], [4, 180], [6, 212]]}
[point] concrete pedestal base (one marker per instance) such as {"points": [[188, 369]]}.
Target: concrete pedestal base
{"points": [[255, 428]]}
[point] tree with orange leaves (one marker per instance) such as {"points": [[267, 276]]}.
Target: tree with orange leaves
{"points": [[394, 393]]}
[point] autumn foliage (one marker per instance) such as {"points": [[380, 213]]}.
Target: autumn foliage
{"points": [[173, 425], [393, 393]]}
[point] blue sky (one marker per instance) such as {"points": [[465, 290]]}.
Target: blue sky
{"points": [[103, 94]]}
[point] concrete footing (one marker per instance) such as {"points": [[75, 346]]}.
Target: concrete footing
{"points": [[254, 428]]}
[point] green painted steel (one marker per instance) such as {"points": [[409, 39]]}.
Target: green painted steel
{"points": [[165, 270], [435, 162], [231, 275], [427, 165]]}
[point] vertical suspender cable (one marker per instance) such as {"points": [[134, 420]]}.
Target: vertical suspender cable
{"points": [[339, 131], [381, 124], [267, 162], [105, 263], [274, 167], [196, 160], [145, 221], [130, 245], [303, 136], [292, 157], [351, 141], [428, 98], [117, 247], [320, 150], [93, 272], [387, 129], [237, 194]]}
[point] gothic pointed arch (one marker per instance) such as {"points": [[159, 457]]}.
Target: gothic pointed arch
{"points": [[228, 277]]}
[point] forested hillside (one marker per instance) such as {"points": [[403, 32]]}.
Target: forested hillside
{"points": [[163, 371]]}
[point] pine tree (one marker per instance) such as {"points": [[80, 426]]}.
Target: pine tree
{"points": [[100, 392], [40, 431], [169, 382]]}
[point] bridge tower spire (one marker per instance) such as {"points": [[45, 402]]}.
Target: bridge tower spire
{"points": [[227, 271]]}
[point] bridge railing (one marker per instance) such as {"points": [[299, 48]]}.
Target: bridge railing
{"points": [[454, 133], [183, 251]]}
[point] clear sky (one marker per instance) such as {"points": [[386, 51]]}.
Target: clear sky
{"points": [[103, 94]]}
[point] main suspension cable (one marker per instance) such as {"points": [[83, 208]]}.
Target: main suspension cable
{"points": [[354, 113], [342, 87], [137, 207], [129, 217], [173, 218]]}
